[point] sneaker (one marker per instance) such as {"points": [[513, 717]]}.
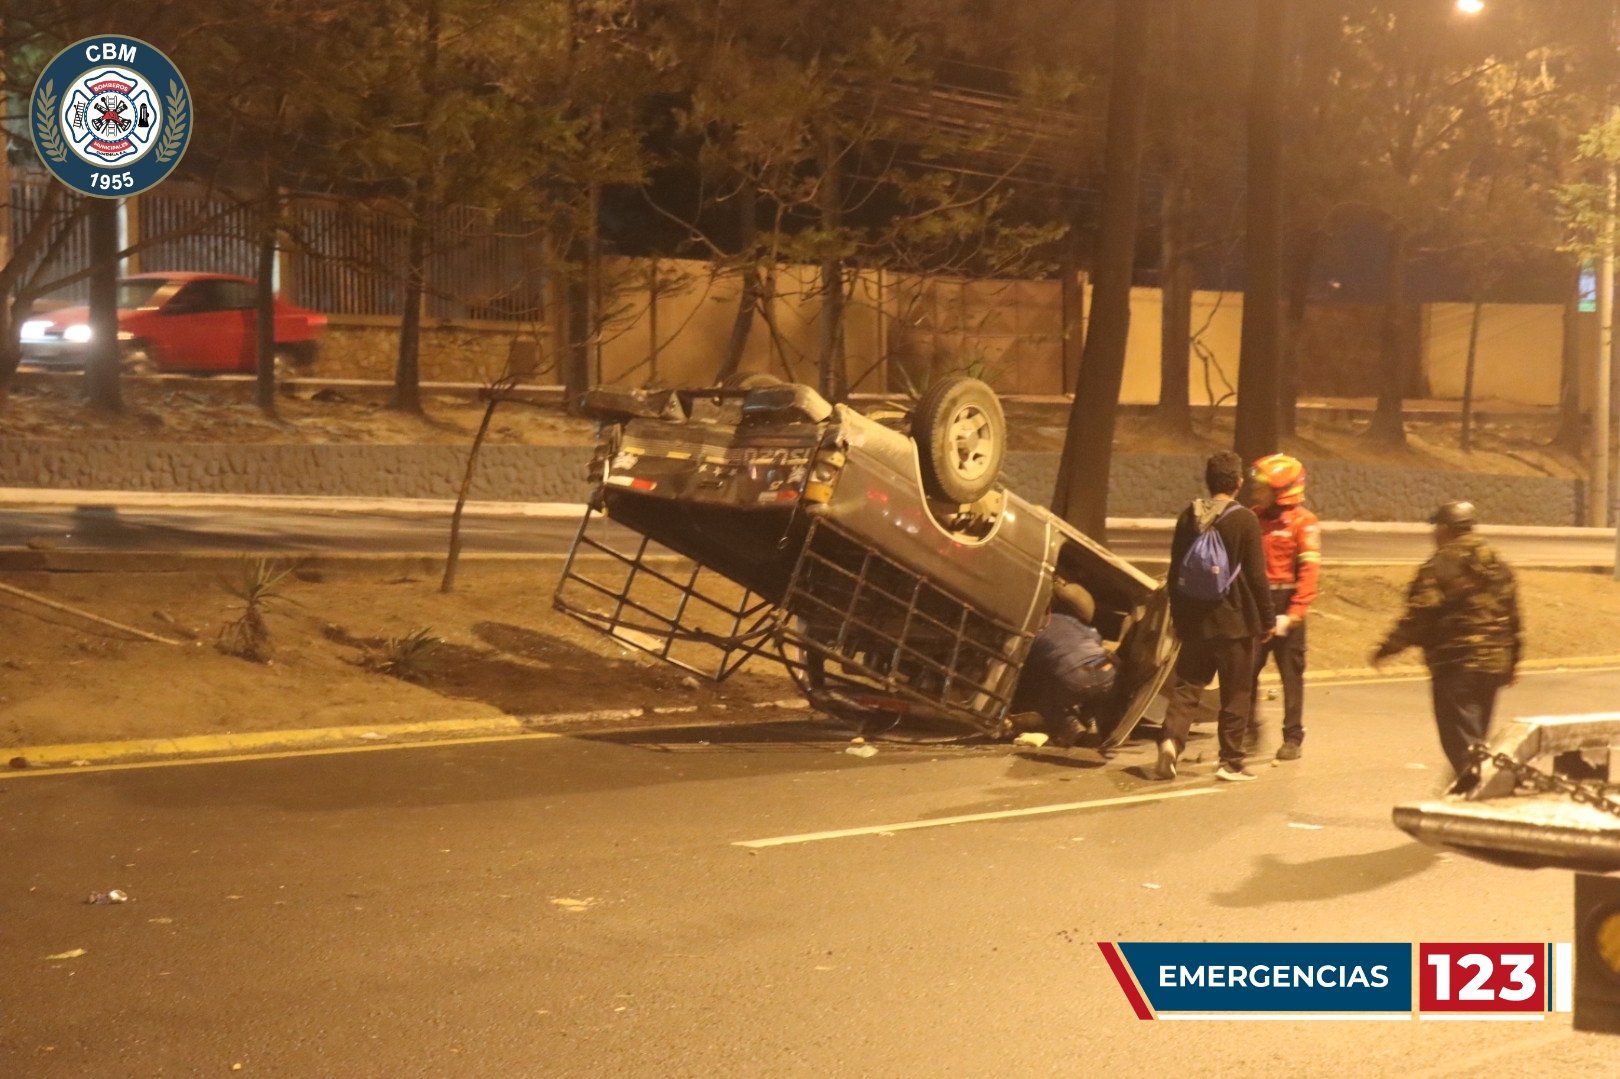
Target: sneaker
{"points": [[1165, 768], [1289, 751], [1068, 733], [1234, 775]]}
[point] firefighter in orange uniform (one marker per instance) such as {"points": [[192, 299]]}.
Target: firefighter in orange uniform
{"points": [[1292, 537]]}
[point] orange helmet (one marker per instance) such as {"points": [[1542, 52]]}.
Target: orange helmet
{"points": [[1285, 476]]}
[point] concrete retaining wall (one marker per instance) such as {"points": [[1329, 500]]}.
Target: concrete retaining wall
{"points": [[1160, 486], [1141, 486], [505, 473]]}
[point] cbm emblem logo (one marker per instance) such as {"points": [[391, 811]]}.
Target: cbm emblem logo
{"points": [[111, 116]]}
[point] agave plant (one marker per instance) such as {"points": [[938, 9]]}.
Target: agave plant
{"points": [[406, 657], [248, 635]]}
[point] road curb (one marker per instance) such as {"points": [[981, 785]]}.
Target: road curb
{"points": [[69, 754], [59, 560], [68, 498], [28, 560]]}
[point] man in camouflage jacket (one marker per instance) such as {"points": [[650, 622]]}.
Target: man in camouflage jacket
{"points": [[1462, 609]]}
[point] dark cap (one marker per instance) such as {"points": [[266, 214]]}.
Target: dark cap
{"points": [[1074, 600], [1461, 516]]}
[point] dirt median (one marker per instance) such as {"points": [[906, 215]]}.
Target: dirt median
{"points": [[505, 650]]}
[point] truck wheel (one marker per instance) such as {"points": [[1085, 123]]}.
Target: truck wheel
{"points": [[961, 436]]}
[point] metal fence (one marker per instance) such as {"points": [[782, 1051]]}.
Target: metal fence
{"points": [[340, 256]]}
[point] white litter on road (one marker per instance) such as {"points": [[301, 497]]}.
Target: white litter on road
{"points": [[575, 905], [1032, 739]]}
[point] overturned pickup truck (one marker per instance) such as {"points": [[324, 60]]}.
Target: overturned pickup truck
{"points": [[876, 556]]}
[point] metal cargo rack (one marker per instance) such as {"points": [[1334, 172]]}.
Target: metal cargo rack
{"points": [[891, 631], [663, 604]]}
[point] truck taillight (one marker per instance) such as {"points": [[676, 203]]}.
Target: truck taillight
{"points": [[823, 477]]}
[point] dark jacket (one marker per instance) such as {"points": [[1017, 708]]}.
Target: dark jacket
{"points": [[1067, 648], [1245, 610], [1462, 609]]}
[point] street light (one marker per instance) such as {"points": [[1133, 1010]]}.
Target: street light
{"points": [[1470, 7]]}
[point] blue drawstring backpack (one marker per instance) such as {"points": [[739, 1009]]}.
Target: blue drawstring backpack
{"points": [[1206, 571]]}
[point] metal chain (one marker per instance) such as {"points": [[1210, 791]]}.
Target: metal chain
{"points": [[1592, 795]]}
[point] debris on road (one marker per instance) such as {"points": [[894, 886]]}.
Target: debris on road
{"points": [[372, 736], [575, 905], [1150, 886], [1416, 767], [102, 899], [1032, 739], [1302, 826], [71, 954], [690, 683], [80, 763], [862, 751]]}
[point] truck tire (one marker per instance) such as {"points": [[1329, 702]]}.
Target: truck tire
{"points": [[961, 436]]}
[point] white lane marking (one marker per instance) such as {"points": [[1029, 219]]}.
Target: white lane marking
{"points": [[1571, 718], [968, 818], [1289, 1017], [1398, 679]]}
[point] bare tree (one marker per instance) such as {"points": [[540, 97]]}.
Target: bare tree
{"points": [[495, 391]]}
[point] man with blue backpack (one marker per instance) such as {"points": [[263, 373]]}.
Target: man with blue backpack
{"points": [[1220, 603]]}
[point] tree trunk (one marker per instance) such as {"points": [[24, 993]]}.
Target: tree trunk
{"points": [[101, 384], [13, 309], [265, 324], [1081, 496], [1470, 364], [452, 560], [1569, 375], [1175, 323], [1072, 297], [1260, 360], [1388, 425], [576, 372], [44, 236], [407, 395], [407, 366], [748, 300], [830, 196], [1301, 262]]}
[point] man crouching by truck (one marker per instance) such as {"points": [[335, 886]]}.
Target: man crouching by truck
{"points": [[1069, 669]]}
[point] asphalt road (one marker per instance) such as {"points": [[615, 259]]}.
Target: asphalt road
{"points": [[579, 906], [287, 531]]}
